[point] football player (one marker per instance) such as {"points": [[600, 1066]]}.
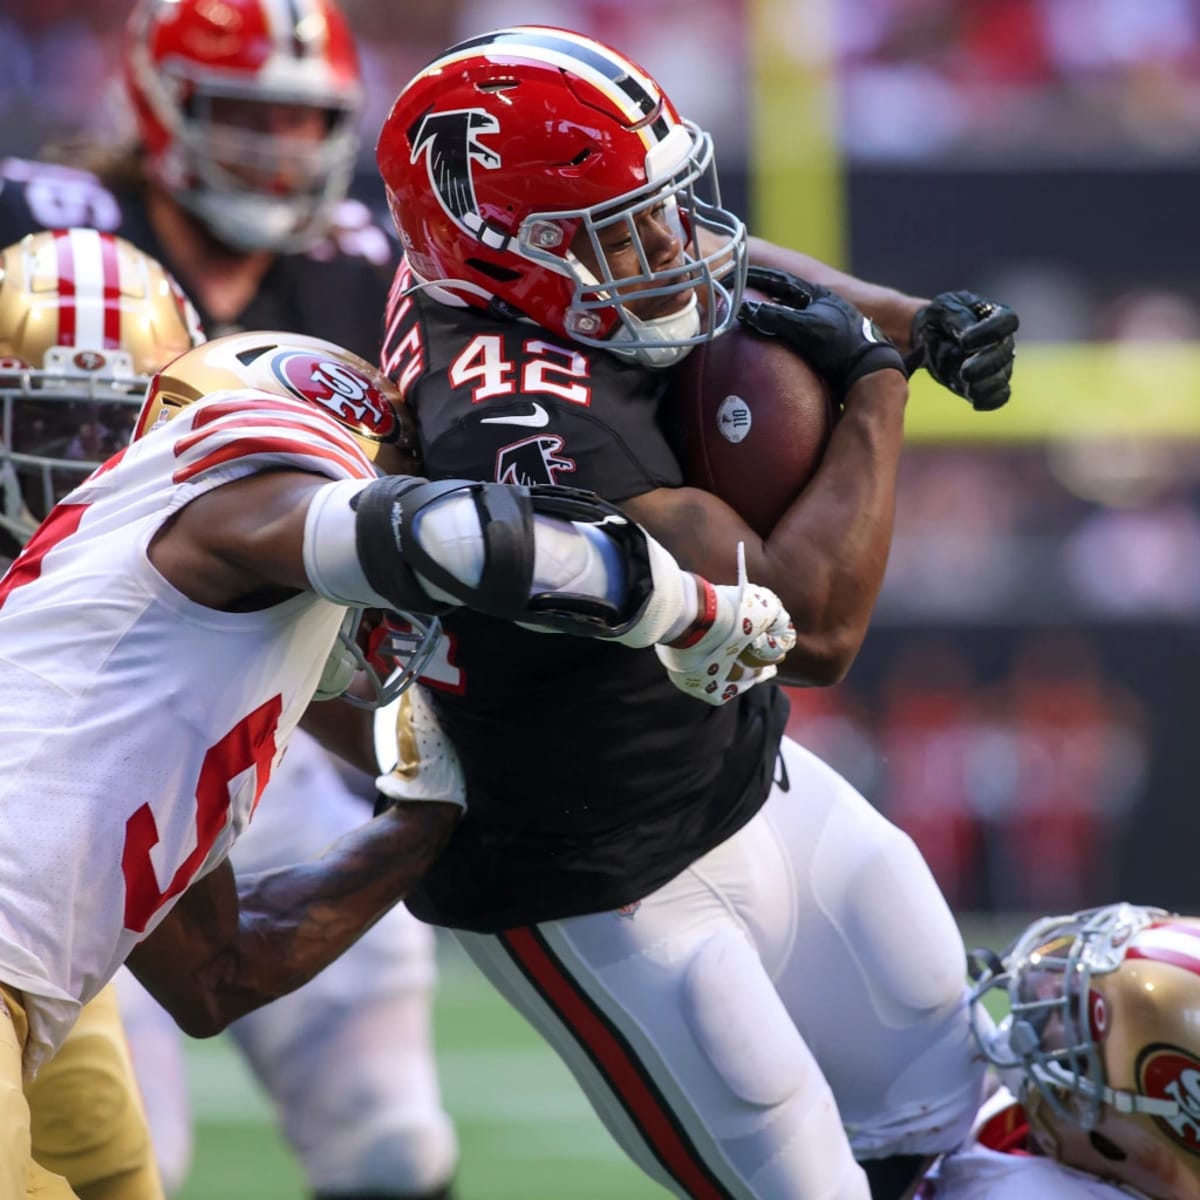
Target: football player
{"points": [[751, 973], [245, 116], [1100, 1056], [168, 622], [72, 371]]}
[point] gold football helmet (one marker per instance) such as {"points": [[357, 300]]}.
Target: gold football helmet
{"points": [[1102, 1043], [365, 402], [84, 320], [342, 385]]}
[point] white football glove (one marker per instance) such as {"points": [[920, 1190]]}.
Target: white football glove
{"points": [[749, 635], [416, 759]]}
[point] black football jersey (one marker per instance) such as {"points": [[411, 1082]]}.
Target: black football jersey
{"points": [[337, 291], [591, 780]]}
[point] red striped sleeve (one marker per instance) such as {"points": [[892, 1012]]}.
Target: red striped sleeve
{"points": [[228, 430]]}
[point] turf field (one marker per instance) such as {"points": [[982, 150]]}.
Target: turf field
{"points": [[526, 1132]]}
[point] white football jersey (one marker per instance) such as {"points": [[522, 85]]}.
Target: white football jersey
{"points": [[995, 1164], [137, 728]]}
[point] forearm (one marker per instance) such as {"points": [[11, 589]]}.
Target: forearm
{"points": [[827, 554], [295, 921], [220, 955], [891, 310]]}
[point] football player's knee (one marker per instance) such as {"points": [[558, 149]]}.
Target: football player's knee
{"points": [[740, 1023], [902, 932], [91, 1126], [403, 1153]]}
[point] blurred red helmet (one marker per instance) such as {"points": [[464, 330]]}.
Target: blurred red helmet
{"points": [[513, 152], [188, 61]]}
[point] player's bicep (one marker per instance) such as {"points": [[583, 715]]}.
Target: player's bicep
{"points": [[238, 537]]}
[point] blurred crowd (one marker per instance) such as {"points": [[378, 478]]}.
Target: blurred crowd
{"points": [[60, 55], [1047, 80], [1077, 530], [1016, 778]]}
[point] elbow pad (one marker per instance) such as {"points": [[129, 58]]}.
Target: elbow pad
{"points": [[406, 543]]}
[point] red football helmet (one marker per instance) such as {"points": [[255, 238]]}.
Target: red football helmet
{"points": [[187, 61], [518, 162]]}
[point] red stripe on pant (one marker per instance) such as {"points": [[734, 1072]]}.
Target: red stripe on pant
{"points": [[615, 1060]]}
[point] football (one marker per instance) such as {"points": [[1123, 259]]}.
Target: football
{"points": [[749, 420]]}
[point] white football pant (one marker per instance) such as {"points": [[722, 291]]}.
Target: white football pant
{"points": [[793, 1000]]}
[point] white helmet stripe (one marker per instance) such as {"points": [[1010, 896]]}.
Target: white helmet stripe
{"points": [[89, 289], [288, 20], [1176, 944]]}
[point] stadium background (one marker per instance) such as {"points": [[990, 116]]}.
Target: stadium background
{"points": [[1027, 703]]}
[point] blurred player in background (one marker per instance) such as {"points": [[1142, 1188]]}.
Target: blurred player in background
{"points": [[212, 545], [71, 398], [1099, 1056], [246, 139], [750, 972]]}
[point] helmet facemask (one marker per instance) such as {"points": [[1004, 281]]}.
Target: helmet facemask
{"points": [[1050, 1039], [190, 67], [55, 430], [284, 201], [682, 194]]}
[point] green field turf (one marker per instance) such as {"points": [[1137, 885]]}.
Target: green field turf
{"points": [[526, 1132]]}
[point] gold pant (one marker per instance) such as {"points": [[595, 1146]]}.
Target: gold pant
{"points": [[78, 1130]]}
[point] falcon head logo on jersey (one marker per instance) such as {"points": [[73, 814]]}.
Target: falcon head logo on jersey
{"points": [[349, 394], [450, 142], [532, 460]]}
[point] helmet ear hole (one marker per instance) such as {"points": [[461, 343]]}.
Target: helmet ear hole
{"points": [[1105, 1147]]}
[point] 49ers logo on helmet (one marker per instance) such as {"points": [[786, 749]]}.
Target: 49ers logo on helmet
{"points": [[348, 394], [1169, 1073]]}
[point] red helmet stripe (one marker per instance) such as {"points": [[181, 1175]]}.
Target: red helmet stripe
{"points": [[66, 287], [112, 291]]}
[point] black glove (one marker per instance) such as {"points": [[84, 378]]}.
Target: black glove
{"points": [[966, 343], [829, 333]]}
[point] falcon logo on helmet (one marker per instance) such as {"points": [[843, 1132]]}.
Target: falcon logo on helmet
{"points": [[348, 394], [450, 142]]}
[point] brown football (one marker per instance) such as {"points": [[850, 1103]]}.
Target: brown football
{"points": [[750, 421]]}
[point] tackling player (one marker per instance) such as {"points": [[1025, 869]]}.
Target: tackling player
{"points": [[167, 624], [246, 131], [1100, 1055], [750, 972], [71, 380]]}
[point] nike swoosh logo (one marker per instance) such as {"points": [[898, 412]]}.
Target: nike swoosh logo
{"points": [[535, 419]]}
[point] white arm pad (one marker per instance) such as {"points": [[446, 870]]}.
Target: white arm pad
{"points": [[568, 557], [331, 549]]}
